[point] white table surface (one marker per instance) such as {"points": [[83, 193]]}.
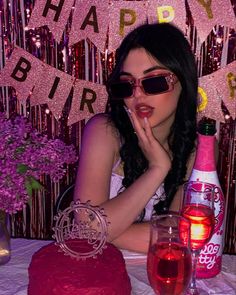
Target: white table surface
{"points": [[14, 274]]}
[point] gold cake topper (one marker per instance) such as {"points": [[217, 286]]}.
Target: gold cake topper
{"points": [[81, 230]]}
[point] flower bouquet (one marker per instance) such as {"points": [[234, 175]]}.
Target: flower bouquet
{"points": [[25, 155]]}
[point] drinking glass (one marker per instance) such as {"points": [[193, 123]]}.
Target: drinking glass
{"points": [[198, 207], [169, 262]]}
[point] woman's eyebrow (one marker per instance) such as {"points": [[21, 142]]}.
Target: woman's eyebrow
{"points": [[145, 71], [154, 68], [124, 73]]}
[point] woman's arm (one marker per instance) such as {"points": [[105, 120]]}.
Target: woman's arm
{"points": [[135, 238], [100, 147]]}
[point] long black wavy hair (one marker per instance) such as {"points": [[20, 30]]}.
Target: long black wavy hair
{"points": [[168, 45]]}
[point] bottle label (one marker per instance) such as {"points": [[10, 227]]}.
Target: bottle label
{"points": [[210, 259]]}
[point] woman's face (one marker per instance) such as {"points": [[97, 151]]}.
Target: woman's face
{"points": [[159, 109]]}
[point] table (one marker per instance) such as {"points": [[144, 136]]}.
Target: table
{"points": [[14, 274]]}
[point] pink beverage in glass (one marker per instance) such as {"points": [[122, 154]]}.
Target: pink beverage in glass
{"points": [[202, 224], [169, 268], [169, 260]]}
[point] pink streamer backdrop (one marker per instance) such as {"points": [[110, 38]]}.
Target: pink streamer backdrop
{"points": [[84, 61]]}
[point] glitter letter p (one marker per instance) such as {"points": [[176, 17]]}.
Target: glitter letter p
{"points": [[124, 22]]}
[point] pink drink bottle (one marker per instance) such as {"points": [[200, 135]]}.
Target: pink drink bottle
{"points": [[204, 169]]}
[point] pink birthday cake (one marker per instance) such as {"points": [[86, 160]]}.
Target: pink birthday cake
{"points": [[53, 272]]}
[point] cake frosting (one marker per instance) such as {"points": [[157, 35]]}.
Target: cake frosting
{"points": [[53, 272]]}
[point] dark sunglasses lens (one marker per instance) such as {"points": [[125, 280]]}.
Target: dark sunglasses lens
{"points": [[121, 90], [155, 85]]}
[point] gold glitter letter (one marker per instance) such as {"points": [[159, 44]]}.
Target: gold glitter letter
{"points": [[207, 5], [203, 100], [231, 81], [124, 22], [165, 14]]}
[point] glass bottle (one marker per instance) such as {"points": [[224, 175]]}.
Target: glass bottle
{"points": [[204, 169]]}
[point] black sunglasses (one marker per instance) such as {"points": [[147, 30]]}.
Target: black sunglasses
{"points": [[156, 84]]}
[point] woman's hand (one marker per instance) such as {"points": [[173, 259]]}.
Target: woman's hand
{"points": [[155, 153]]}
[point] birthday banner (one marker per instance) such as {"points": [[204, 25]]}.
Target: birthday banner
{"points": [[95, 20], [92, 18], [208, 13], [218, 86], [26, 74]]}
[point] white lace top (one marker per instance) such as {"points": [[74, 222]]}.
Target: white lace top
{"points": [[116, 187]]}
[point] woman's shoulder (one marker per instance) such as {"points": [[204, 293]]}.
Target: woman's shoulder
{"points": [[101, 127], [99, 118], [100, 122]]}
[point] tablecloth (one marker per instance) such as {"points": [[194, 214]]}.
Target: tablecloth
{"points": [[14, 274]]}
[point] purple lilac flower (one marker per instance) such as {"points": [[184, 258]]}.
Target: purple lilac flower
{"points": [[25, 154]]}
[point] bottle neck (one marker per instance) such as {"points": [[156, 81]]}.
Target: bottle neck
{"points": [[205, 157]]}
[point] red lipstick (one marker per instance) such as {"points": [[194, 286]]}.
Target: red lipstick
{"points": [[143, 110]]}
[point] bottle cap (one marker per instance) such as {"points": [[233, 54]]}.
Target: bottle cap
{"points": [[207, 127]]}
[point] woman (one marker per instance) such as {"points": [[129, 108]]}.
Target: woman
{"points": [[136, 156]]}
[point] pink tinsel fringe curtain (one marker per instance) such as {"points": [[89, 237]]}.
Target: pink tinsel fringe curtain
{"points": [[84, 61]]}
